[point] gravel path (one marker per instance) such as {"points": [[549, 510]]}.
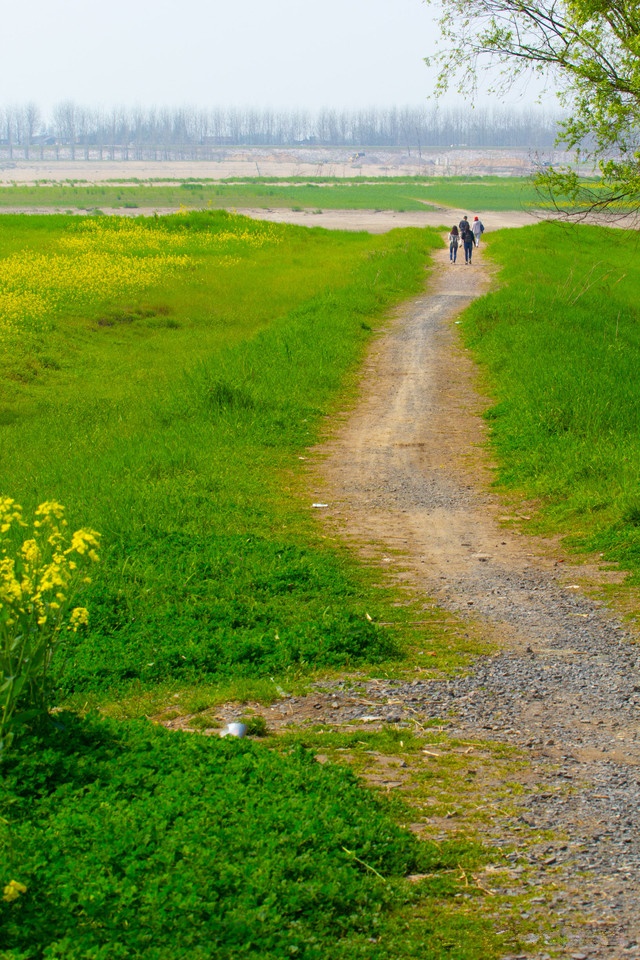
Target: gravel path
{"points": [[407, 484]]}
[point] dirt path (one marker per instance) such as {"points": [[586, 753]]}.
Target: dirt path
{"points": [[406, 483]]}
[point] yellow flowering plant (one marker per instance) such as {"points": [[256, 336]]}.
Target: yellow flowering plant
{"points": [[13, 890], [39, 579]]}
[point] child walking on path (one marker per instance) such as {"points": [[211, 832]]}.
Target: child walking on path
{"points": [[454, 239]]}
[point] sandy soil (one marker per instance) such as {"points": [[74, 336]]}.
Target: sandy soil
{"points": [[379, 221]]}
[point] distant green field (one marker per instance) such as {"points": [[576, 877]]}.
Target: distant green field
{"points": [[401, 194]]}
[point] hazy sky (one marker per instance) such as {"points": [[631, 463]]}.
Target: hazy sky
{"points": [[282, 54]]}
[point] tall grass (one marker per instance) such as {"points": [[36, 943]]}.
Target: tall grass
{"points": [[560, 341]]}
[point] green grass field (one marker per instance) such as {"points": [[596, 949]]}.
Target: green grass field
{"points": [[164, 378], [472, 193], [171, 415], [561, 355]]}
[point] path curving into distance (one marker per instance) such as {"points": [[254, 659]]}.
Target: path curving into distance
{"points": [[407, 484]]}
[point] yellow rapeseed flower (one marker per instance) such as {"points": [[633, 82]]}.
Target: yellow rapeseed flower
{"points": [[85, 541], [79, 617], [30, 552], [50, 509], [108, 258], [36, 584], [13, 890], [10, 589], [10, 512]]}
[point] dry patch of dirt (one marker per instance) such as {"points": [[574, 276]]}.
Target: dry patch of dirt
{"points": [[380, 221]]}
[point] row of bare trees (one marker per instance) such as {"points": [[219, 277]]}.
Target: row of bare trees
{"points": [[170, 133]]}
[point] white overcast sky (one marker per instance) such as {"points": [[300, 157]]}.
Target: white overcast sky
{"points": [[280, 54]]}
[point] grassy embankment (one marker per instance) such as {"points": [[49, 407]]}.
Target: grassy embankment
{"points": [[163, 378], [178, 372], [560, 343], [476, 194]]}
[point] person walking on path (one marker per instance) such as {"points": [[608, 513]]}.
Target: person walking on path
{"points": [[454, 240], [464, 223], [477, 228], [467, 242]]}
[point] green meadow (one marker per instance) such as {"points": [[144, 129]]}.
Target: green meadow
{"points": [[172, 416], [164, 379], [387, 193], [167, 379]]}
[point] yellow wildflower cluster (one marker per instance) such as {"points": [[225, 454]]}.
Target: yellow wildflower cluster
{"points": [[13, 890], [36, 583], [227, 261], [250, 238], [108, 258], [114, 235], [35, 286], [38, 578], [146, 236], [10, 512], [79, 618], [16, 306]]}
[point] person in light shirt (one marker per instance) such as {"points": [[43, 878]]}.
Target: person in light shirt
{"points": [[477, 228]]}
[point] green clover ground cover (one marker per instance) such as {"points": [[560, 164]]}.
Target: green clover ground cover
{"points": [[128, 842], [560, 343]]}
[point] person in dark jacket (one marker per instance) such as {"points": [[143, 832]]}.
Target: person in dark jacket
{"points": [[466, 235]]}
